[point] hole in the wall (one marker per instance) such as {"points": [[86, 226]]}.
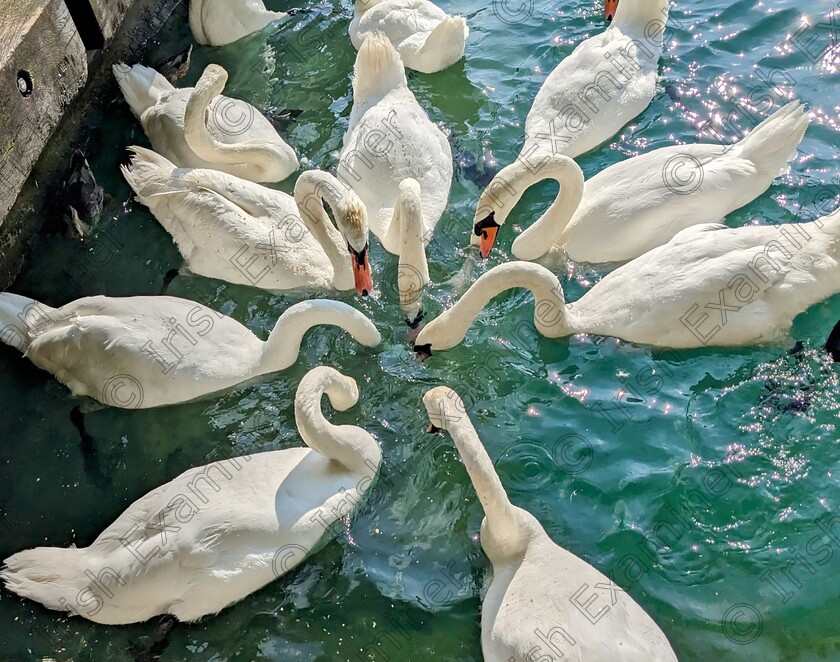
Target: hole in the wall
{"points": [[24, 83]]}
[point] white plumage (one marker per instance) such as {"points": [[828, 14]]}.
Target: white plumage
{"points": [[201, 128], [142, 352], [542, 599], [426, 38], [216, 533], [642, 202], [710, 285], [221, 22]]}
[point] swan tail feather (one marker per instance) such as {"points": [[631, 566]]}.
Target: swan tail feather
{"points": [[19, 319], [52, 576], [378, 69], [446, 42], [141, 86], [772, 144], [146, 172]]}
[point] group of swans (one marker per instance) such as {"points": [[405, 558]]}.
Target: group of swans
{"points": [[688, 283]]}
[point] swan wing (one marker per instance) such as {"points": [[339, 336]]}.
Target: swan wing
{"points": [[715, 285], [144, 351], [604, 83], [643, 202], [391, 141]]}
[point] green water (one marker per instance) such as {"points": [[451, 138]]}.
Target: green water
{"points": [[723, 460]]}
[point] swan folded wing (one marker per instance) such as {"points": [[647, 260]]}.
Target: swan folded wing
{"points": [[585, 93], [723, 287]]}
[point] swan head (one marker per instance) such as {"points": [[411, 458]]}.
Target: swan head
{"points": [[610, 7], [444, 408], [352, 221]]}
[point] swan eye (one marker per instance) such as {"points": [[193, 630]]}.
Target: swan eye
{"points": [[482, 226], [360, 256]]}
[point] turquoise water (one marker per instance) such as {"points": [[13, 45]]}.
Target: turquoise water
{"points": [[723, 460]]}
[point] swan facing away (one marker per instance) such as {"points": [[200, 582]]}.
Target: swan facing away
{"points": [[232, 229], [397, 161], [221, 22], [216, 533], [542, 598], [638, 204], [143, 352], [427, 39], [709, 286], [200, 128]]}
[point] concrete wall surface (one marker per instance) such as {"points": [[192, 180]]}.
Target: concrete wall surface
{"points": [[43, 66]]}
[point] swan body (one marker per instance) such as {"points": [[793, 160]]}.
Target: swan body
{"points": [[200, 128], [232, 229], [603, 84], [641, 203], [427, 39], [216, 533], [709, 286], [398, 162], [542, 598], [142, 352], [221, 22]]}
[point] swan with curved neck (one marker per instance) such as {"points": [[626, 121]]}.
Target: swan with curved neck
{"points": [[255, 160], [603, 84], [426, 38], [642, 202], [220, 133], [233, 526], [241, 232], [709, 286], [413, 269], [142, 352], [222, 22], [530, 601]]}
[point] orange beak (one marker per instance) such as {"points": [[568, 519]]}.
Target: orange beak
{"points": [[488, 238], [610, 7], [361, 272]]}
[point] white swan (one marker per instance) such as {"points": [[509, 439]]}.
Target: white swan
{"points": [[426, 38], [603, 84], [710, 285], [216, 533], [543, 601], [638, 204], [232, 229], [200, 128], [221, 22], [390, 139], [142, 352]]}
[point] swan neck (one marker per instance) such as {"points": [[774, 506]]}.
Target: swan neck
{"points": [[349, 445], [501, 532], [406, 231], [196, 134], [646, 18], [282, 348], [550, 315], [536, 240], [314, 187]]}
